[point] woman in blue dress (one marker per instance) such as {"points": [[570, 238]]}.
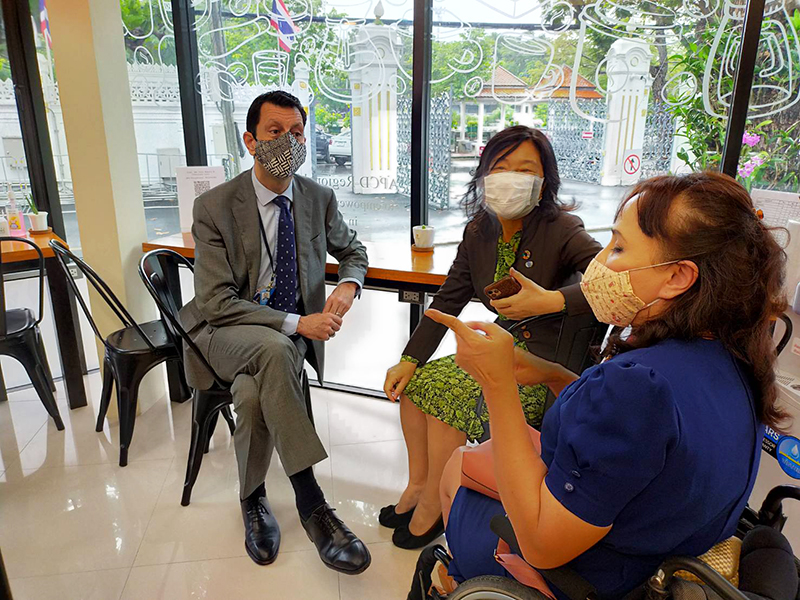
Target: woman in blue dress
{"points": [[653, 452]]}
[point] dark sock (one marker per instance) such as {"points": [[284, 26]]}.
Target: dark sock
{"points": [[307, 493], [259, 492]]}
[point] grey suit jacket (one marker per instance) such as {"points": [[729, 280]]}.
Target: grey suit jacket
{"points": [[228, 259], [552, 253]]}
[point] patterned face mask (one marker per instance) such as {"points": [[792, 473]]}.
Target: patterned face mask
{"points": [[610, 293], [283, 156]]}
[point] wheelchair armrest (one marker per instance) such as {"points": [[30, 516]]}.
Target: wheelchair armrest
{"points": [[501, 525], [565, 579], [658, 585]]}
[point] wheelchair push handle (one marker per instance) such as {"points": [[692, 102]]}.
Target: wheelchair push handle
{"points": [[771, 513]]}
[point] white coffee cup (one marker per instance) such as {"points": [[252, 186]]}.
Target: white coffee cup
{"points": [[423, 236]]}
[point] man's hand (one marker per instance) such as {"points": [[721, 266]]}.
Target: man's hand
{"points": [[530, 301], [341, 299], [319, 326]]}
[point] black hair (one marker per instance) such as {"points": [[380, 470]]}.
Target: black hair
{"points": [[500, 146], [276, 97]]}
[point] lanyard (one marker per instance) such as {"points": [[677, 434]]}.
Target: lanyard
{"points": [[264, 237]]}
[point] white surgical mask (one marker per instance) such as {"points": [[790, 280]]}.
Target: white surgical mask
{"points": [[512, 195]]}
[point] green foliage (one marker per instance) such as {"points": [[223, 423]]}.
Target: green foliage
{"points": [[329, 118], [31, 204], [704, 133]]}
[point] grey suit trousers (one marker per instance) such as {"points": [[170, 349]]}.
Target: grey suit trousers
{"points": [[265, 367]]}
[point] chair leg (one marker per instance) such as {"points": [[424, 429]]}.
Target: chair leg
{"points": [[212, 426], [105, 395], [201, 422], [228, 416], [28, 354], [45, 362], [127, 383]]}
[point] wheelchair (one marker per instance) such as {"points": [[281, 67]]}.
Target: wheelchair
{"points": [[678, 578]]}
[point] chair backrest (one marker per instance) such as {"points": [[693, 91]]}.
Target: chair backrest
{"points": [[157, 283], [787, 332], [577, 337], [63, 255], [3, 327]]}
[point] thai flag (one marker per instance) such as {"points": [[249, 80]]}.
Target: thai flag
{"points": [[44, 23], [283, 23]]}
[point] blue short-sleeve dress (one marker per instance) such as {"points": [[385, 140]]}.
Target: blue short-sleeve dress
{"points": [[660, 443]]}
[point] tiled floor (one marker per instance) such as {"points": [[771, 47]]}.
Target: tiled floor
{"points": [[74, 525]]}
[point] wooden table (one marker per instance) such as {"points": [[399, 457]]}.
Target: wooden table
{"points": [[18, 256], [392, 266]]}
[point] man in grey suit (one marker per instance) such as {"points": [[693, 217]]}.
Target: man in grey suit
{"points": [[260, 310]]}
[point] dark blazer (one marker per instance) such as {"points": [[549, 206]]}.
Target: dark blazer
{"points": [[228, 258], [559, 249]]}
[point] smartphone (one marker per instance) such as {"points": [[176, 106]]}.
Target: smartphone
{"points": [[503, 288]]}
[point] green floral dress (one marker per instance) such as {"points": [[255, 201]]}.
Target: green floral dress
{"points": [[441, 389]]}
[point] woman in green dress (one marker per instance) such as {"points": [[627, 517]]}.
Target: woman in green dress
{"points": [[516, 226]]}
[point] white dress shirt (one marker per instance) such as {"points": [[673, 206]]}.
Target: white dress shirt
{"points": [[270, 214]]}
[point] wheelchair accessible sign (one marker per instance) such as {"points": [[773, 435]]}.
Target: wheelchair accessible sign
{"points": [[785, 449]]}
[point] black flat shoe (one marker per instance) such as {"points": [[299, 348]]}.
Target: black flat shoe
{"points": [[403, 538], [262, 536], [392, 519], [338, 547]]}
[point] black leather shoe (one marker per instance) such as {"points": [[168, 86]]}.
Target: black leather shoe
{"points": [[403, 538], [338, 547], [262, 536], [392, 519]]}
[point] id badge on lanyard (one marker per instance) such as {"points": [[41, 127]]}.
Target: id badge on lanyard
{"points": [[263, 295]]}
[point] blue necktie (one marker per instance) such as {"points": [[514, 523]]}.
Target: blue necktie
{"points": [[285, 295]]}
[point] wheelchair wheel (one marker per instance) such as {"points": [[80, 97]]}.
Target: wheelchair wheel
{"points": [[491, 587]]}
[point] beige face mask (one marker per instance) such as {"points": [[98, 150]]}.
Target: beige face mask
{"points": [[610, 293]]}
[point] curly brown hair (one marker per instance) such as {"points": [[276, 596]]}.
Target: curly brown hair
{"points": [[710, 219]]}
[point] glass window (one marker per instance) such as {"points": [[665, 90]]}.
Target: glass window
{"points": [[771, 144], [155, 95], [349, 67], [624, 90]]}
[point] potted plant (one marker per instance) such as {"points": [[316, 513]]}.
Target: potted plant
{"points": [[37, 217]]}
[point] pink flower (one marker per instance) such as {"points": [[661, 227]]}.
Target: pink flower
{"points": [[750, 139], [746, 169], [757, 160]]}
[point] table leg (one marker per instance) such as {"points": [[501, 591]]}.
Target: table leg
{"points": [[3, 393], [178, 391], [417, 310], [70, 348]]}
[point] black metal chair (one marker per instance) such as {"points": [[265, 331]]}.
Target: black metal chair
{"points": [[576, 337], [130, 352], [21, 338], [207, 404]]}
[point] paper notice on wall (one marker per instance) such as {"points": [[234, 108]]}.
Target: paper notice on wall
{"points": [[193, 181]]}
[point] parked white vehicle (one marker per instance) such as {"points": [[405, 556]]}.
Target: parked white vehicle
{"points": [[341, 147]]}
